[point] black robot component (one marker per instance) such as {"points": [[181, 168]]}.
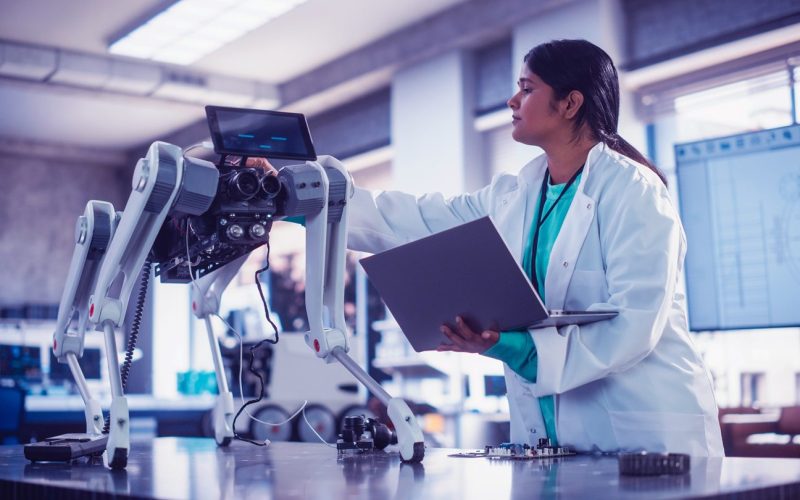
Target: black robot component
{"points": [[361, 434], [237, 221], [65, 447], [229, 210], [654, 464]]}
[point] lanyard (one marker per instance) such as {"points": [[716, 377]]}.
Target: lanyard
{"points": [[541, 220]]}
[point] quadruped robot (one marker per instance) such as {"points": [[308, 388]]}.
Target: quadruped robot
{"points": [[195, 222]]}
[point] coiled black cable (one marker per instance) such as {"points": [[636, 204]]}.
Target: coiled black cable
{"points": [[133, 334]]}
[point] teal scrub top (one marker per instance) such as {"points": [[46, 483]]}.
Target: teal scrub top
{"points": [[517, 348]]}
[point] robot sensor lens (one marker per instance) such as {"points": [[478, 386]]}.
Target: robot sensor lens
{"points": [[235, 231], [257, 231], [270, 186], [244, 184]]}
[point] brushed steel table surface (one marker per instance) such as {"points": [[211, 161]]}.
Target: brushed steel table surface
{"points": [[197, 468]]}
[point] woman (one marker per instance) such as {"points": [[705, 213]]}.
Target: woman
{"points": [[592, 223]]}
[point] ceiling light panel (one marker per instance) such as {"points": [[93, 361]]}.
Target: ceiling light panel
{"points": [[189, 29]]}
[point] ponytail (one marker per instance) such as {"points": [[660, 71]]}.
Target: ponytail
{"points": [[614, 141]]}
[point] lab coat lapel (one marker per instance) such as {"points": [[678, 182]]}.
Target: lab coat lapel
{"points": [[514, 227], [570, 239], [530, 178]]}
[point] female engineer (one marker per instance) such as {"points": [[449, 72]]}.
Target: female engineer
{"points": [[592, 224]]}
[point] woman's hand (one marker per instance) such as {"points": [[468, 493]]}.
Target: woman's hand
{"points": [[464, 339], [262, 163]]}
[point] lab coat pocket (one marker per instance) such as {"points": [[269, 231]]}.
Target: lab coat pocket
{"points": [[659, 432], [586, 288]]}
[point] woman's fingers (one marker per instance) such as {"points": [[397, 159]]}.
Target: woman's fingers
{"points": [[261, 163], [464, 330], [453, 337], [490, 335], [465, 339]]}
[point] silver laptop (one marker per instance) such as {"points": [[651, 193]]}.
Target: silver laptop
{"points": [[465, 271]]}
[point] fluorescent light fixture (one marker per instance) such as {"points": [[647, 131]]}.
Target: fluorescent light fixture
{"points": [[189, 29]]}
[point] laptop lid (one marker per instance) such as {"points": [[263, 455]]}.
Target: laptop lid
{"points": [[464, 271]]}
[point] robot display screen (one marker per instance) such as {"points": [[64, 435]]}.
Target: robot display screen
{"points": [[271, 134], [90, 364]]}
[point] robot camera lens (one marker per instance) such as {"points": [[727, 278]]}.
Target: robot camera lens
{"points": [[244, 184], [235, 231], [257, 231], [270, 186]]}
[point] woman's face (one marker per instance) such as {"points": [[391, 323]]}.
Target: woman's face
{"points": [[534, 116]]}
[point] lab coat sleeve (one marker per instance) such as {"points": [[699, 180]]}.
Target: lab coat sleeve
{"points": [[384, 219], [643, 248]]}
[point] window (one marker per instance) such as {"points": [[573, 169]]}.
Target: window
{"points": [[757, 103]]}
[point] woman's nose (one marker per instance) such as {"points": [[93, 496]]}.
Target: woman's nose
{"points": [[512, 102]]}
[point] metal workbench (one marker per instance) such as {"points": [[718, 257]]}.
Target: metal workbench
{"points": [[196, 468]]}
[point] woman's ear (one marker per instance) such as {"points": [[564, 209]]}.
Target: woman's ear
{"points": [[573, 103]]}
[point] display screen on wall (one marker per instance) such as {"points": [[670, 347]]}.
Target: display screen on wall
{"points": [[740, 205]]}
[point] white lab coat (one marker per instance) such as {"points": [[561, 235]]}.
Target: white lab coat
{"points": [[634, 382]]}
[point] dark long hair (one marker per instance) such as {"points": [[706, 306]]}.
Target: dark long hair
{"points": [[567, 65]]}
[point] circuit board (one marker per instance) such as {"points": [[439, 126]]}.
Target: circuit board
{"points": [[515, 451]]}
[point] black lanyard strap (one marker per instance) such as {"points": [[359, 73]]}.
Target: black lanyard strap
{"points": [[541, 220]]}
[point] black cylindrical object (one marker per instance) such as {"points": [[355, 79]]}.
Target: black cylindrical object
{"points": [[243, 184], [270, 186], [353, 428], [381, 435]]}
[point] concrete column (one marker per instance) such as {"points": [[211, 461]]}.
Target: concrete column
{"points": [[171, 318], [435, 144], [598, 21]]}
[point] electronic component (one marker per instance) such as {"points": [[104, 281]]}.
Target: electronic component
{"points": [[516, 451], [361, 434], [229, 210], [653, 464]]}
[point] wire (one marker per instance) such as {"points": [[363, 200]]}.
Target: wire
{"points": [[253, 348], [261, 390], [314, 430], [192, 277], [136, 323], [264, 300], [241, 392], [133, 334], [189, 148]]}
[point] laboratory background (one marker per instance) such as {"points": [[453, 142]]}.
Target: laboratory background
{"points": [[408, 96]]}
